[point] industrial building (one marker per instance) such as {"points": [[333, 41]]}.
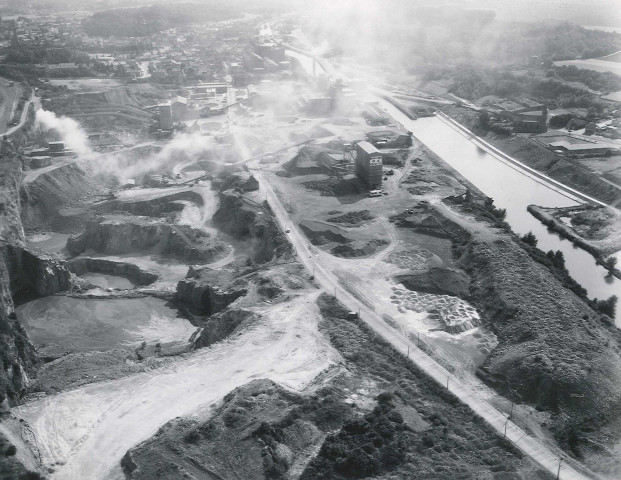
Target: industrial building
{"points": [[369, 164], [179, 106], [581, 149], [528, 119], [166, 118]]}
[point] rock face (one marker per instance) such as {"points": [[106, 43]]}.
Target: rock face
{"points": [[21, 272], [246, 220], [33, 274], [132, 272], [119, 234], [221, 325], [209, 291]]}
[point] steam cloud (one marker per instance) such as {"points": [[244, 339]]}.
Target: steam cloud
{"points": [[182, 149], [70, 130]]}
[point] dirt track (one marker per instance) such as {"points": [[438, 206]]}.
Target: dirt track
{"points": [[8, 96], [88, 430]]}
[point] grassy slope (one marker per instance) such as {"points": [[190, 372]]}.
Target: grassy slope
{"points": [[553, 349]]}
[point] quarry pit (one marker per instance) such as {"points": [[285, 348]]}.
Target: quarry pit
{"points": [[178, 304]]}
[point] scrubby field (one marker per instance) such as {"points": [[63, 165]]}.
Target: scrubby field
{"points": [[377, 416]]}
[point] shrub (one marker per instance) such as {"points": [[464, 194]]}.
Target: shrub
{"points": [[191, 437]]}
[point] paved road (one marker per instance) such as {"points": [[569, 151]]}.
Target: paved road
{"points": [[527, 444]]}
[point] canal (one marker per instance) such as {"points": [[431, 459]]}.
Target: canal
{"points": [[511, 188]]}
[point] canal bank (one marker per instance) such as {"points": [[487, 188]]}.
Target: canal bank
{"points": [[511, 186], [513, 189]]}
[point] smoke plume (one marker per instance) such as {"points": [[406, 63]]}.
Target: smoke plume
{"points": [[70, 130]]}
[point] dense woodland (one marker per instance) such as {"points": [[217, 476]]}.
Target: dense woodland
{"points": [[143, 21]]}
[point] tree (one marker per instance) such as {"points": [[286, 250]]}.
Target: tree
{"points": [[607, 307], [557, 258], [560, 121], [530, 239], [610, 264]]}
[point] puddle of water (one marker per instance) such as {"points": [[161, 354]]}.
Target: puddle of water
{"points": [[50, 242], [104, 280], [80, 324]]}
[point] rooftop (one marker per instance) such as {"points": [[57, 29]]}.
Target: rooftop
{"points": [[367, 147]]}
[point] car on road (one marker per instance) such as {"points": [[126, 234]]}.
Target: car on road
{"points": [[287, 231]]}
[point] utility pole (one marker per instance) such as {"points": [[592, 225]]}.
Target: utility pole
{"points": [[506, 421], [418, 341], [447, 381], [558, 473]]}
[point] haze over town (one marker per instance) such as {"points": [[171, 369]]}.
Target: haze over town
{"points": [[270, 239]]}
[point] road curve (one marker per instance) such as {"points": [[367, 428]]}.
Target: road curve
{"points": [[23, 117]]}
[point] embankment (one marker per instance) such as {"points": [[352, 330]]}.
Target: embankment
{"points": [[562, 173], [46, 191], [151, 207], [554, 351], [248, 220], [545, 216]]}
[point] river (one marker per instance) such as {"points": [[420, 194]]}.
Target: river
{"points": [[511, 188]]}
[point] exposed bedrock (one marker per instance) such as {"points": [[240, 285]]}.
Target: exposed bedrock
{"points": [[208, 291], [44, 194], [119, 234], [221, 325], [247, 220], [23, 274], [32, 274], [135, 274], [152, 207]]}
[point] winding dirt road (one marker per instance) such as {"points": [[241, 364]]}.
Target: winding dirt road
{"points": [[84, 433]]}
